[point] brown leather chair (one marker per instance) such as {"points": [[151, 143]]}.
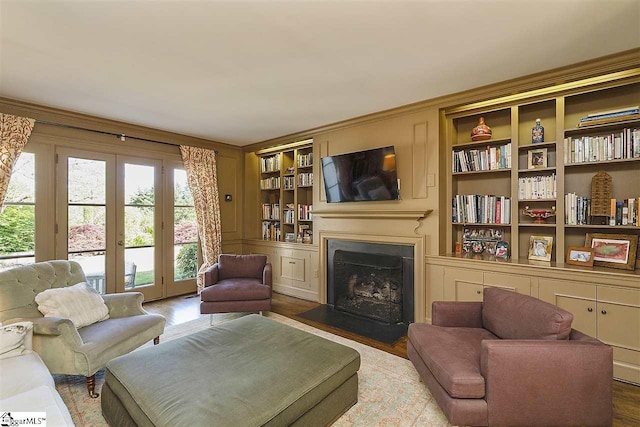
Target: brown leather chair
{"points": [[512, 360], [237, 283]]}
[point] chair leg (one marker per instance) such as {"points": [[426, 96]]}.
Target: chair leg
{"points": [[156, 341], [260, 312], [91, 386], [211, 320]]}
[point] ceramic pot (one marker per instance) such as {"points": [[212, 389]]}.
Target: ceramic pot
{"points": [[481, 132]]}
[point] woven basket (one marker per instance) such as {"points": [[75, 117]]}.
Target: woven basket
{"points": [[601, 194]]}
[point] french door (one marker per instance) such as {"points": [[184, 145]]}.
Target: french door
{"points": [[110, 219]]}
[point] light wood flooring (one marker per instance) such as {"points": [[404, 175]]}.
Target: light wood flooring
{"points": [[626, 397]]}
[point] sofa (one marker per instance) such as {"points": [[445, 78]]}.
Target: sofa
{"points": [[27, 386], [512, 359], [64, 347]]}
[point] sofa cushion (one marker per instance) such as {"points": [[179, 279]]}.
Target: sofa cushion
{"points": [[453, 356], [15, 339], [241, 266], [79, 303], [239, 289], [510, 315], [40, 399], [20, 374]]}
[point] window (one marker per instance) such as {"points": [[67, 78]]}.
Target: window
{"points": [[17, 218]]}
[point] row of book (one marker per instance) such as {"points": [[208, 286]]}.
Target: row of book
{"points": [[481, 209], [272, 183], [619, 145], [537, 187], [289, 214], [305, 179], [491, 158], [271, 230], [305, 212], [624, 212], [621, 212], [577, 209], [289, 182], [271, 211], [270, 164], [612, 116], [305, 160]]}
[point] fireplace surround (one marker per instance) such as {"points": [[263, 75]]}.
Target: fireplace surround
{"points": [[371, 280]]}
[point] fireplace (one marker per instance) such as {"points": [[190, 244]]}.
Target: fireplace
{"points": [[371, 280], [370, 289]]}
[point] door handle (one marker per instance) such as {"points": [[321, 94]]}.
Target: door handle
{"points": [[590, 309], [120, 243], [604, 312]]}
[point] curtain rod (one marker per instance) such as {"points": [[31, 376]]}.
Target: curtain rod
{"points": [[121, 136]]}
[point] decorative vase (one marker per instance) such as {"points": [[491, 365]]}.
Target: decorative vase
{"points": [[481, 132], [537, 133]]}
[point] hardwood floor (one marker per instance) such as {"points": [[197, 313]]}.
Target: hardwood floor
{"points": [[626, 397]]}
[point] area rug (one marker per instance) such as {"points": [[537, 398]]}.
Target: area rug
{"points": [[390, 392]]}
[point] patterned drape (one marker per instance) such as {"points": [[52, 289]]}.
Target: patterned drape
{"points": [[202, 175], [14, 134]]}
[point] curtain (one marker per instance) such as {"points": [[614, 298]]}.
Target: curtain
{"points": [[14, 134], [202, 176]]}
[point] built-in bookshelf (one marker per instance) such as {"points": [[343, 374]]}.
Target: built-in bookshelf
{"points": [[547, 185], [286, 194]]}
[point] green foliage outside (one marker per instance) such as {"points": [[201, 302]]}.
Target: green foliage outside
{"points": [[17, 226], [187, 262]]}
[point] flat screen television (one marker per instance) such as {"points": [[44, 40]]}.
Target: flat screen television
{"points": [[361, 176]]}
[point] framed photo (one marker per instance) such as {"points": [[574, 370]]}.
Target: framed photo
{"points": [[613, 250], [540, 248], [580, 255], [537, 158]]}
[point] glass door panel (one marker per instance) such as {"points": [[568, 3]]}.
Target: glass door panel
{"points": [[84, 214], [182, 267], [18, 215], [140, 226], [87, 208]]}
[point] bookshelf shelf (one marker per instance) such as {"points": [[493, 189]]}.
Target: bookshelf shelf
{"points": [[286, 170], [561, 176]]}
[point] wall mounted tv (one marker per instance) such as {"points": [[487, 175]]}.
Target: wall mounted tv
{"points": [[361, 176]]}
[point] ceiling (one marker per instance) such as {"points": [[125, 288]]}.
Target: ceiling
{"points": [[241, 72]]}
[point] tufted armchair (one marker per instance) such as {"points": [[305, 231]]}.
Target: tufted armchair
{"points": [[62, 347]]}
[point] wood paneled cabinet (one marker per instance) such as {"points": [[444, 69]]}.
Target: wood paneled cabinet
{"points": [[294, 268], [467, 285], [608, 313]]}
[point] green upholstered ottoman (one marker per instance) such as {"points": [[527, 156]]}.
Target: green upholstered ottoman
{"points": [[250, 371]]}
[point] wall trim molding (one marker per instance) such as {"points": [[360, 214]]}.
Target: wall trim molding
{"points": [[373, 214]]}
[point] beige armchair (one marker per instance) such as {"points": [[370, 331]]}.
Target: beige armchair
{"points": [[64, 348]]}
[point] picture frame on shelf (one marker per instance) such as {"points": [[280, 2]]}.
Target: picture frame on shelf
{"points": [[537, 158], [613, 250], [579, 255], [540, 248]]}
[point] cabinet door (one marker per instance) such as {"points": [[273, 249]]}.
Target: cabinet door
{"points": [[462, 285], [513, 282], [618, 314], [577, 298]]}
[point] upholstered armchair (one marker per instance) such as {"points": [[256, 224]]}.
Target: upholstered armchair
{"points": [[64, 348], [512, 360], [237, 283]]}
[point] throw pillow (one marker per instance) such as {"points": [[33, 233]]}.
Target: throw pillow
{"points": [[79, 303], [15, 339]]}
